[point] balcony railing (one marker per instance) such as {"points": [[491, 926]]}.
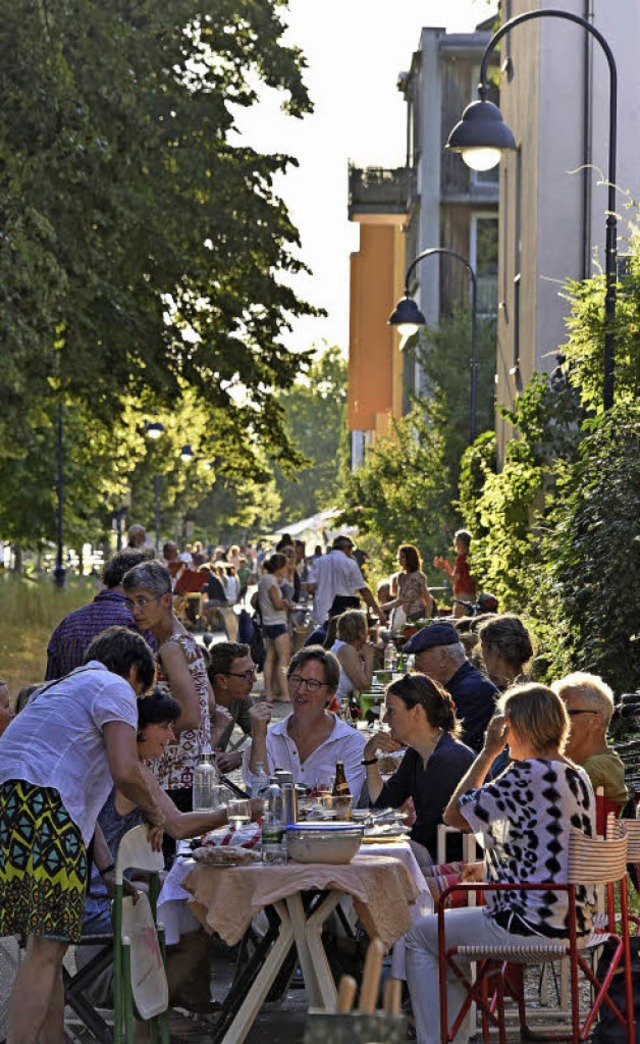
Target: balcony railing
{"points": [[378, 190]]}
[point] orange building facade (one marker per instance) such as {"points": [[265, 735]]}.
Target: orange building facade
{"points": [[377, 280]]}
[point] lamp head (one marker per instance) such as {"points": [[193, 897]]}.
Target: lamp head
{"points": [[481, 136], [154, 429], [407, 317], [186, 453]]}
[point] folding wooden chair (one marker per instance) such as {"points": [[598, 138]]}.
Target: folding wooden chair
{"points": [[135, 852], [592, 861]]}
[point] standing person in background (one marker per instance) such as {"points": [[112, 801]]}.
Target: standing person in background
{"points": [[412, 589], [336, 573], [273, 609], [181, 673], [464, 586], [109, 608], [136, 536]]}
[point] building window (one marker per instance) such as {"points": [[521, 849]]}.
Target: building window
{"points": [[483, 254]]}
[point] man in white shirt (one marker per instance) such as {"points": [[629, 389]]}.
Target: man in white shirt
{"points": [[310, 740], [338, 574]]}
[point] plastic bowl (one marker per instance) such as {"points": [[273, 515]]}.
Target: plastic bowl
{"points": [[323, 842]]}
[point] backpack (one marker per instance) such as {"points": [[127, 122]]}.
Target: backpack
{"points": [[250, 633]]}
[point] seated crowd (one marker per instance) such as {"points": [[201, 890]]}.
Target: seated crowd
{"points": [[132, 700]]}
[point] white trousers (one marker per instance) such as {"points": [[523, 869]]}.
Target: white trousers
{"points": [[467, 926]]}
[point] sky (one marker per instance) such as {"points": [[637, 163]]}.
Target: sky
{"points": [[355, 50]]}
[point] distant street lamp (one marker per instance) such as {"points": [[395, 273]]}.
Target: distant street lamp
{"points": [[482, 135], [59, 573], [408, 318], [154, 430], [186, 453]]}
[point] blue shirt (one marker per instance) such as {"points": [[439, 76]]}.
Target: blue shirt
{"points": [[475, 699]]}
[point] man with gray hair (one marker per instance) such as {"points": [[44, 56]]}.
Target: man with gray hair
{"points": [[440, 654], [589, 703]]}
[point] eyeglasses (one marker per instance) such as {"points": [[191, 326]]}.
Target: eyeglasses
{"points": [[572, 713], [140, 602], [247, 675], [313, 685]]}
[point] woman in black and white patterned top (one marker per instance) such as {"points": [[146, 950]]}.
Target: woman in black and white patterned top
{"points": [[524, 819]]}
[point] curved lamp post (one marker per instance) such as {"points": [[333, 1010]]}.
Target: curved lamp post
{"points": [[408, 318], [482, 135], [59, 573]]}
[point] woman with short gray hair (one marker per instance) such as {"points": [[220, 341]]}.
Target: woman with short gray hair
{"points": [[181, 673]]}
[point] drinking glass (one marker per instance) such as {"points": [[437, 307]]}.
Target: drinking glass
{"points": [[238, 813]]}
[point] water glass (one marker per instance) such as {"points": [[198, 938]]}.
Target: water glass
{"points": [[238, 813]]}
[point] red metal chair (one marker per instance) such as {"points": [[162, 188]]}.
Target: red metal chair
{"points": [[592, 861]]}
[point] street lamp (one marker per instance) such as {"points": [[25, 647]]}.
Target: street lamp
{"points": [[482, 135], [408, 318], [186, 453], [59, 573], [154, 430]]}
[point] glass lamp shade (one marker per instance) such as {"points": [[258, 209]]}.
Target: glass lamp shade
{"points": [[407, 317], [481, 135], [481, 159]]}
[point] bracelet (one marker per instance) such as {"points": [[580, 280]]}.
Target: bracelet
{"points": [[369, 761], [107, 869]]}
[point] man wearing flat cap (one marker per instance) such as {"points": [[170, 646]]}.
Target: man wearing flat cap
{"points": [[440, 654]]}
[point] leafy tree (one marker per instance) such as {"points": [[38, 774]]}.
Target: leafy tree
{"points": [[315, 420], [398, 495], [143, 245]]}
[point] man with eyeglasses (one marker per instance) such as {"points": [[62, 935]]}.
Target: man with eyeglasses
{"points": [[232, 674], [589, 703], [310, 740], [108, 609]]}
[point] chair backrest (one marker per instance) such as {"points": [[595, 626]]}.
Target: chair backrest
{"points": [[604, 807], [593, 860], [632, 827], [136, 852]]}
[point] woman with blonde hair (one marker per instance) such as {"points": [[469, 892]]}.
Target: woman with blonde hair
{"points": [[525, 818], [354, 652]]}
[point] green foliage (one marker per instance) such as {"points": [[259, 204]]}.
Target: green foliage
{"points": [[585, 348], [398, 495], [444, 354], [501, 508], [315, 420], [591, 545], [143, 245]]}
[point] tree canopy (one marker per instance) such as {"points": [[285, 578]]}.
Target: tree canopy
{"points": [[142, 245]]}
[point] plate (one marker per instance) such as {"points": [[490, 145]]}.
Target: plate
{"points": [[384, 839]]}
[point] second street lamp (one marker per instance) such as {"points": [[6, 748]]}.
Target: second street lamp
{"points": [[408, 318], [155, 430], [482, 135]]}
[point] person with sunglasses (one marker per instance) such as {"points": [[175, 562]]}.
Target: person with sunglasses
{"points": [[232, 674], [311, 739], [421, 716], [589, 703]]}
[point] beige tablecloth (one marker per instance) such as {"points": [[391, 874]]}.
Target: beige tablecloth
{"points": [[226, 898]]}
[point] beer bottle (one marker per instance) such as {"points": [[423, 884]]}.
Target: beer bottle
{"points": [[341, 787]]}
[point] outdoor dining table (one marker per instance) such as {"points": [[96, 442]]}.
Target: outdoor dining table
{"points": [[225, 900]]}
